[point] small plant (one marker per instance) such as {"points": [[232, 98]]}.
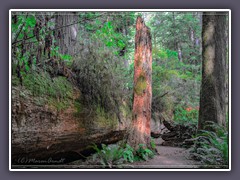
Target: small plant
{"points": [[153, 144], [128, 154], [113, 155], [108, 155], [143, 153]]}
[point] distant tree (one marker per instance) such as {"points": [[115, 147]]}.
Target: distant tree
{"points": [[67, 32], [141, 113], [212, 96]]}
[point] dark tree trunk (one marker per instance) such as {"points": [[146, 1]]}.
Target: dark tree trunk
{"points": [[212, 96], [66, 37], [140, 132]]}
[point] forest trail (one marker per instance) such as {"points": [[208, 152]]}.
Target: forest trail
{"points": [[169, 157]]}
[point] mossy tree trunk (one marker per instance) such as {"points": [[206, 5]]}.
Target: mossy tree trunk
{"points": [[142, 95], [212, 96]]}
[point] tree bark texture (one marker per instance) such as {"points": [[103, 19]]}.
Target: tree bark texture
{"points": [[69, 146], [142, 95], [212, 96], [66, 38]]}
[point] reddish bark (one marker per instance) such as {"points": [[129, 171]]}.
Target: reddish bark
{"points": [[140, 132]]}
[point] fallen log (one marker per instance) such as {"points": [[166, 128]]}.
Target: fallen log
{"points": [[155, 134], [169, 125], [179, 134], [61, 149]]}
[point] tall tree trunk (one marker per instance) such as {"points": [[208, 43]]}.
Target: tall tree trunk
{"points": [[140, 132], [212, 96], [66, 37]]}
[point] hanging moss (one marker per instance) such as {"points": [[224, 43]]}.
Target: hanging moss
{"points": [[141, 85]]}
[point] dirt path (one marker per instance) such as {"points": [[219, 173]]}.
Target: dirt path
{"points": [[169, 157]]}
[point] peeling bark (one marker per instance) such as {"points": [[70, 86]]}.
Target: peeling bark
{"points": [[140, 132]]}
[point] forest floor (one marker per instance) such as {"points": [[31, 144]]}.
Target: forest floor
{"points": [[169, 157]]}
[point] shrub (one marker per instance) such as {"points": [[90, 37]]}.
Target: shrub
{"points": [[183, 115], [108, 155], [143, 153], [113, 155], [128, 154]]}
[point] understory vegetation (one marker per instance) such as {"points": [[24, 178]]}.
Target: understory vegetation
{"points": [[211, 146], [115, 155]]}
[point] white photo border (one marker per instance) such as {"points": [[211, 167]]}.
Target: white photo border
{"points": [[116, 10]]}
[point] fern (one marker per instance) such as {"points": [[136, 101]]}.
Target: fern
{"points": [[211, 147]]}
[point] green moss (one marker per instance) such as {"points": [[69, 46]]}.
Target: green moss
{"points": [[43, 85], [105, 120], [139, 61], [125, 110], [15, 81], [141, 85], [59, 104], [78, 107]]}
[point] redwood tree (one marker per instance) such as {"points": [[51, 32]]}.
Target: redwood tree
{"points": [[212, 96], [67, 32], [142, 95]]}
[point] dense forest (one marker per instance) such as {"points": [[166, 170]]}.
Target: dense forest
{"points": [[119, 89]]}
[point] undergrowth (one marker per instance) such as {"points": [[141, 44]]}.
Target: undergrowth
{"points": [[56, 91], [115, 155], [211, 146]]}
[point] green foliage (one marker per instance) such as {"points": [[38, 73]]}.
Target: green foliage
{"points": [[30, 22], [143, 153], [32, 38], [104, 119], [128, 154], [66, 57], [173, 30], [184, 115], [113, 155], [110, 37], [153, 144], [41, 84], [211, 146], [108, 155]]}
